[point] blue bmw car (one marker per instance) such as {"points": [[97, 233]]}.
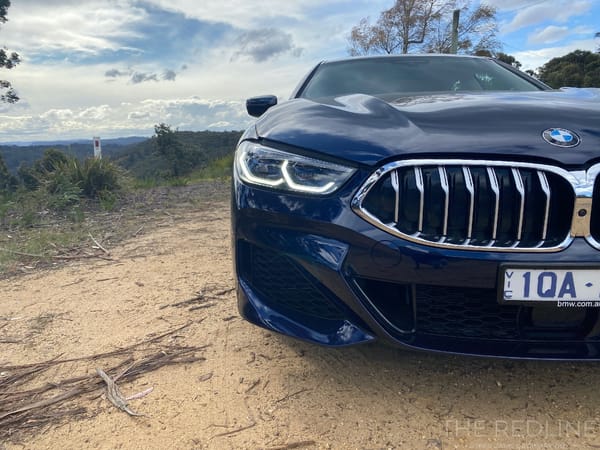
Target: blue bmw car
{"points": [[435, 202]]}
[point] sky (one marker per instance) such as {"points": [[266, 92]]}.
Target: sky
{"points": [[115, 68]]}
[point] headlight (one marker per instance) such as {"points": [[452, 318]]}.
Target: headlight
{"points": [[264, 166]]}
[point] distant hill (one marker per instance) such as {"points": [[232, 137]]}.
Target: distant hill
{"points": [[135, 154], [15, 155], [117, 141]]}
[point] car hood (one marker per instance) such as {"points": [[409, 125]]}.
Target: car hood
{"points": [[368, 130]]}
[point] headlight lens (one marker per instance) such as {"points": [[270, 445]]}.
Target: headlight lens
{"points": [[264, 166]]}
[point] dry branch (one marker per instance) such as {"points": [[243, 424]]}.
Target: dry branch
{"points": [[114, 394], [200, 298], [300, 444], [238, 430], [29, 409], [287, 397], [205, 306], [98, 244]]}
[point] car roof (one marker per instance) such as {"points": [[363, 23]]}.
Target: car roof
{"points": [[405, 55]]}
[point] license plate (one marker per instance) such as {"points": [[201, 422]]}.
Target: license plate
{"points": [[564, 287]]}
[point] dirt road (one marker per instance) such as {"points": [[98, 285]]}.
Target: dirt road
{"points": [[253, 389]]}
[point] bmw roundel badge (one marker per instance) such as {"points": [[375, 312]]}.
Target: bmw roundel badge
{"points": [[561, 137]]}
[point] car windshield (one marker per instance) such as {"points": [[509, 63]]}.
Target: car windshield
{"points": [[390, 77]]}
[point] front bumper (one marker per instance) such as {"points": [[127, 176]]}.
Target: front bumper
{"points": [[312, 269]]}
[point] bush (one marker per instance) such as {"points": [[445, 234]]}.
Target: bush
{"points": [[89, 178], [100, 176], [32, 177], [68, 178]]}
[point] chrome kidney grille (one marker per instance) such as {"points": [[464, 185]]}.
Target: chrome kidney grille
{"points": [[476, 205]]}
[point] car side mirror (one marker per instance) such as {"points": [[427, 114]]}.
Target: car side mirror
{"points": [[256, 106]]}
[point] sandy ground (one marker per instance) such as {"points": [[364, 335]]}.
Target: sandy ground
{"points": [[256, 389]]}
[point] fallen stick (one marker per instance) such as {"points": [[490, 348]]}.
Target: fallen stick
{"points": [[239, 430], [74, 257], [114, 395], [201, 297], [287, 397], [294, 445], [107, 279], [98, 244], [198, 298], [207, 305], [252, 386]]}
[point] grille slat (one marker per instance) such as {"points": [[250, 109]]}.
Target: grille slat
{"points": [[496, 190], [396, 187], [472, 205], [548, 193], [421, 189], [521, 191], [471, 191], [445, 187]]}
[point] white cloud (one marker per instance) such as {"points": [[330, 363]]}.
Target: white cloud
{"points": [[264, 43], [95, 113], [125, 119], [548, 35], [220, 125], [554, 33], [559, 11], [138, 115], [57, 114], [37, 28]]}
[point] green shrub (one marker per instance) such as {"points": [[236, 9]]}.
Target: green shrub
{"points": [[33, 177], [89, 178], [100, 176]]}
